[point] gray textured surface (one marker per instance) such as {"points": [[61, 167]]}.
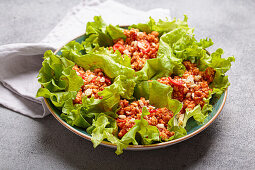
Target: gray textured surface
{"points": [[229, 143]]}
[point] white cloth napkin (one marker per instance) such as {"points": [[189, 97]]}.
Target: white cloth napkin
{"points": [[20, 63]]}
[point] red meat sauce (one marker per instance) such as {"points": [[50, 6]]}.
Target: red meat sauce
{"points": [[129, 112], [140, 46], [192, 87], [94, 82]]}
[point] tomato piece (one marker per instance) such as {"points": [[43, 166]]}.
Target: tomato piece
{"points": [[174, 82], [94, 79], [144, 46], [121, 120], [119, 47], [108, 81], [133, 35], [153, 111], [83, 77]]}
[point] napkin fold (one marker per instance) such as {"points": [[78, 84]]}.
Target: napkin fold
{"points": [[20, 63]]}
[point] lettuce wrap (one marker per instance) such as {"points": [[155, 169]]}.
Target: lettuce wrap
{"points": [[60, 83]]}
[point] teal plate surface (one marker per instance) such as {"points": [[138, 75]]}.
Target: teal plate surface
{"points": [[192, 127]]}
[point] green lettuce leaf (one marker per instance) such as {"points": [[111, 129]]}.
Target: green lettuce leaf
{"points": [[154, 69], [82, 115], [173, 126], [178, 125], [75, 118], [148, 133], [57, 98], [97, 30], [56, 74], [161, 26], [199, 114], [112, 64], [101, 35], [158, 94], [115, 32], [59, 81], [221, 66], [207, 106], [98, 24], [196, 113], [121, 88], [178, 45], [115, 56], [105, 127], [72, 46]]}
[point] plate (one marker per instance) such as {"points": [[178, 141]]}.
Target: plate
{"points": [[192, 127]]}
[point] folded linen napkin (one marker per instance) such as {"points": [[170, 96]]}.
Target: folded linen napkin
{"points": [[20, 63]]}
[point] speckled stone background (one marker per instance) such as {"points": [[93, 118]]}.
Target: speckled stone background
{"points": [[229, 143]]}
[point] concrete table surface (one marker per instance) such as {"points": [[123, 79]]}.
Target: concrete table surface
{"points": [[229, 143]]}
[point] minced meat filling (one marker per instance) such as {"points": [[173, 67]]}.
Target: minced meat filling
{"points": [[140, 46], [129, 112], [192, 87], [94, 82]]}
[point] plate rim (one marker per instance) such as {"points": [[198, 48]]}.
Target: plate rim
{"points": [[135, 147]]}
